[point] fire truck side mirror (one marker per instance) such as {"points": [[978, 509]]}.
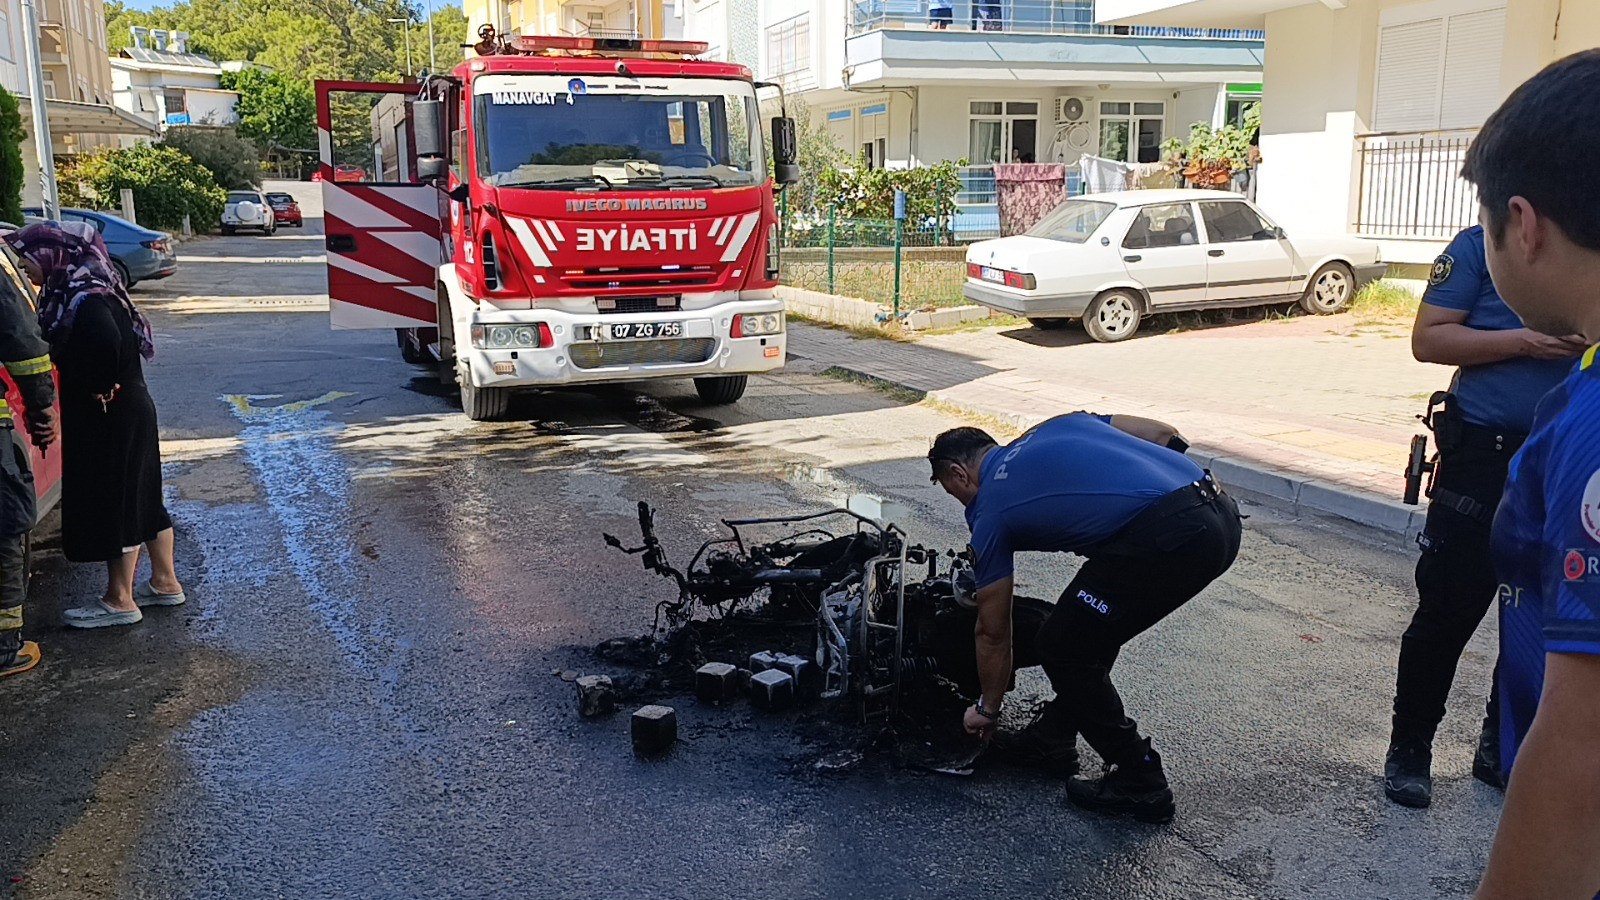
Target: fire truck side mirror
{"points": [[427, 121], [431, 169], [785, 157]]}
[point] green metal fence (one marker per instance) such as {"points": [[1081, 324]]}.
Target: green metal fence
{"points": [[903, 265]]}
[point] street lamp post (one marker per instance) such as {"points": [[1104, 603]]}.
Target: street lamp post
{"points": [[406, 24], [433, 63], [44, 147]]}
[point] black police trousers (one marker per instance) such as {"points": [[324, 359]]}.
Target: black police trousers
{"points": [[1456, 584], [1155, 565], [16, 519]]}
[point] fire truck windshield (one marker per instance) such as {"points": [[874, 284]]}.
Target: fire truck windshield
{"points": [[552, 132]]}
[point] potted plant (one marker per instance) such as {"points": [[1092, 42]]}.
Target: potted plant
{"points": [[1211, 157]]}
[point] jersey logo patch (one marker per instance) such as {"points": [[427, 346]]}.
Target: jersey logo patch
{"points": [[1589, 512], [1442, 267], [1576, 565]]}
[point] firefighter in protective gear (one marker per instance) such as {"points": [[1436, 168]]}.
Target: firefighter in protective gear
{"points": [[26, 357]]}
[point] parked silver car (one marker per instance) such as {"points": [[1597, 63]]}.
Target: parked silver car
{"points": [[248, 209]]}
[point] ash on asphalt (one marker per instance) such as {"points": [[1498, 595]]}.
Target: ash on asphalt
{"points": [[922, 733]]}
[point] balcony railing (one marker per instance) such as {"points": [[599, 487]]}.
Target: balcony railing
{"points": [[1411, 185], [1015, 16]]}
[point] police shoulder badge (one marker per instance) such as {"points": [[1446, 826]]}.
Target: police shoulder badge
{"points": [[1442, 267]]}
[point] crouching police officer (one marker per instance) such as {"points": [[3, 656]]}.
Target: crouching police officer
{"points": [[1155, 530], [1504, 370], [26, 357]]}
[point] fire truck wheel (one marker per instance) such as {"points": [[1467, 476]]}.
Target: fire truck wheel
{"points": [[483, 404], [410, 349], [721, 389]]}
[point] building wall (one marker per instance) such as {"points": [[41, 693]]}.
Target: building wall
{"points": [[1321, 79], [933, 124]]}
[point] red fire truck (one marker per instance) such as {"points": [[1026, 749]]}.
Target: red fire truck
{"points": [[562, 211]]}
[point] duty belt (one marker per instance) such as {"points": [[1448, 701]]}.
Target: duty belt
{"points": [[1132, 538], [1482, 437]]}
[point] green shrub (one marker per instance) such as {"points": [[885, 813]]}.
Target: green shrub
{"points": [[166, 185], [231, 160], [11, 174], [863, 193]]}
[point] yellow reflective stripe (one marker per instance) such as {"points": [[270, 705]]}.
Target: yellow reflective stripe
{"points": [[10, 618], [39, 365]]}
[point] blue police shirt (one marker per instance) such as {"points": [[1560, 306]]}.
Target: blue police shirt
{"points": [[1546, 547], [1067, 484], [1494, 395]]}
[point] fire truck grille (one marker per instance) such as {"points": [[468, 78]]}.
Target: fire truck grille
{"points": [[639, 279], [637, 304], [637, 353]]}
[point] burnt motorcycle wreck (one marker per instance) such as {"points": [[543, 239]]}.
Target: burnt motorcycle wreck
{"points": [[889, 616]]}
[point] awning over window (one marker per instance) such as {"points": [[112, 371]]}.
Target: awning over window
{"points": [[74, 117]]}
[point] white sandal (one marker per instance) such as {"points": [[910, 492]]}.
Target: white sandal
{"points": [[99, 615], [147, 595]]}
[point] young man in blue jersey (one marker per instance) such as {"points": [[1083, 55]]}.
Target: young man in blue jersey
{"points": [[1155, 530], [1540, 208], [1504, 370]]}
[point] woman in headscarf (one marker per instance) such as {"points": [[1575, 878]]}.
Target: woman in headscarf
{"points": [[111, 501]]}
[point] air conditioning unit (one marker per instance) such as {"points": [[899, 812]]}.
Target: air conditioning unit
{"points": [[1070, 110]]}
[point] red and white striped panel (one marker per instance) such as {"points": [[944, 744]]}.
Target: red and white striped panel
{"points": [[389, 279]]}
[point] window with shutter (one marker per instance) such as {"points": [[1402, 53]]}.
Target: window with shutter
{"points": [[1408, 76], [1473, 44], [1439, 67]]}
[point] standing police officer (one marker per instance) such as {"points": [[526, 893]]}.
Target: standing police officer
{"points": [[26, 357], [1504, 369], [1155, 530]]}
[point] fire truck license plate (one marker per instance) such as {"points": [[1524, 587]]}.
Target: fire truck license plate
{"points": [[639, 331]]}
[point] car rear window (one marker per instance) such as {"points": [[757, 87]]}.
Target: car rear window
{"points": [[236, 196], [1073, 221], [280, 198]]}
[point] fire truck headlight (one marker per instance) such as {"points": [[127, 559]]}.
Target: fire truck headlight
{"points": [[757, 324], [506, 337]]}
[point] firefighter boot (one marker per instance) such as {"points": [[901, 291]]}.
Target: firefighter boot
{"points": [[16, 655], [1408, 772], [1486, 762], [1138, 789], [1048, 744]]}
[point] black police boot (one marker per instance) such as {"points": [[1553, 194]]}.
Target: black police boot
{"points": [[1137, 789], [1407, 772], [1048, 744], [1486, 762]]}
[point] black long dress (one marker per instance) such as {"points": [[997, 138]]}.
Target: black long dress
{"points": [[111, 455]]}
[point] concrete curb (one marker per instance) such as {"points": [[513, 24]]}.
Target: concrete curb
{"points": [[1294, 492]]}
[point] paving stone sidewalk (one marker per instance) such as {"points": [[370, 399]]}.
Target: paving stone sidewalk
{"points": [[1315, 411]]}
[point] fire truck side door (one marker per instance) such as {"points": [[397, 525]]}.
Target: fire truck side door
{"points": [[383, 229]]}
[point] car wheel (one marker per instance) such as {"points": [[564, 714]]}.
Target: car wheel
{"points": [[1330, 291], [122, 272], [720, 390], [1113, 316], [227, 229], [483, 404], [1047, 324]]}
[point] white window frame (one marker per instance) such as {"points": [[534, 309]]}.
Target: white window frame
{"points": [[779, 33], [1442, 10], [1133, 119], [1007, 121]]}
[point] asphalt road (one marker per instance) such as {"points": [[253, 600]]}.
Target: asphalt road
{"points": [[361, 698]]}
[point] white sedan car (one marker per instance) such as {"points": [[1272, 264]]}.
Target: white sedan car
{"points": [[1112, 259]]}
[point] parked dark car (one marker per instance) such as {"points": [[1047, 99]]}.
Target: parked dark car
{"points": [[287, 210], [139, 253]]}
